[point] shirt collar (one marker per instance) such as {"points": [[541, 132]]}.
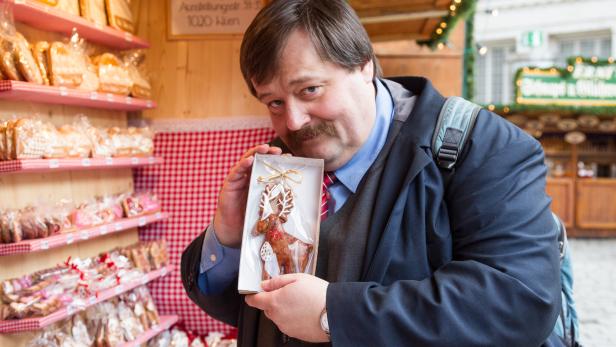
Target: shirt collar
{"points": [[351, 173]]}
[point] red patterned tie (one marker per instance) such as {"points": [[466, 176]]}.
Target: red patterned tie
{"points": [[328, 180]]}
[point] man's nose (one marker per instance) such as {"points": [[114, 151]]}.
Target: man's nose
{"points": [[297, 116]]}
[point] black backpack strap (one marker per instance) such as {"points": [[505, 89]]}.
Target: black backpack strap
{"points": [[453, 128]]}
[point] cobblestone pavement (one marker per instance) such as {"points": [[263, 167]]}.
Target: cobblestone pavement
{"points": [[594, 268]]}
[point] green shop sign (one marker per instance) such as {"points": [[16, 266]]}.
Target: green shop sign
{"points": [[585, 82]]}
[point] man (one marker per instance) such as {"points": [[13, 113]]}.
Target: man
{"points": [[402, 261]]}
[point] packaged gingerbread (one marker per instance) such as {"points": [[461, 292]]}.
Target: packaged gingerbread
{"points": [[141, 87], [94, 11], [281, 225], [120, 15], [25, 62], [112, 74], [40, 51], [68, 6], [66, 65]]}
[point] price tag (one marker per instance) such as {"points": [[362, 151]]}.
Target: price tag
{"points": [[149, 104], [128, 37], [109, 97], [108, 161], [142, 221], [158, 215], [44, 244], [151, 160], [144, 280], [54, 163], [163, 271], [86, 162], [63, 91], [157, 328], [70, 310], [119, 290], [128, 100], [103, 230], [85, 235], [93, 96], [69, 239], [99, 26], [92, 300], [134, 160], [118, 226]]}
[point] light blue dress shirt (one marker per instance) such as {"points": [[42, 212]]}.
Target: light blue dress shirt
{"points": [[220, 265]]}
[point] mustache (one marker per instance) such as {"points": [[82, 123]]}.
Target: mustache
{"points": [[311, 131]]}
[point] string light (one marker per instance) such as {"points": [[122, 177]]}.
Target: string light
{"points": [[594, 59], [440, 45], [452, 7], [481, 49], [610, 60], [439, 31], [570, 68], [491, 107], [443, 25]]}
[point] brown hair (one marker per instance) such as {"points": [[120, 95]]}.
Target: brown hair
{"points": [[332, 25]]}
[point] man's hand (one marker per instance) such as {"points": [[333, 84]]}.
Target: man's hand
{"points": [[229, 217], [294, 303]]}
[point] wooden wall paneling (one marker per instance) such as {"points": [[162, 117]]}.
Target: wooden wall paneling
{"points": [[596, 204], [561, 190], [193, 78]]}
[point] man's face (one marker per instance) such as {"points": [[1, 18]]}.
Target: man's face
{"points": [[319, 109]]}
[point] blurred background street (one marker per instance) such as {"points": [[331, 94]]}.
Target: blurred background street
{"points": [[594, 265]]}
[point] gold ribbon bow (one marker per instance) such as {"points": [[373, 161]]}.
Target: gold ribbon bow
{"points": [[291, 175]]}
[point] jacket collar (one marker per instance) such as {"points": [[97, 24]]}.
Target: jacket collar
{"points": [[428, 102]]}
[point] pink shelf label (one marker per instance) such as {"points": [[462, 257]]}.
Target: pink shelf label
{"points": [[151, 160], [163, 271], [84, 235], [44, 244], [134, 160], [93, 96], [144, 280], [119, 289], [86, 162], [54, 164], [69, 239], [103, 230], [118, 226], [128, 100], [149, 104], [63, 91], [128, 37], [158, 215], [108, 161], [142, 221], [109, 97]]}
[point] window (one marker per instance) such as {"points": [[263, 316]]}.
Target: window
{"points": [[596, 46], [494, 76]]}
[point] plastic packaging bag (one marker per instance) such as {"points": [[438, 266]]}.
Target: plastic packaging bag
{"points": [[282, 219]]}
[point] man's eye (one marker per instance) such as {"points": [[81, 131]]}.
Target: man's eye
{"points": [[310, 90], [275, 104]]}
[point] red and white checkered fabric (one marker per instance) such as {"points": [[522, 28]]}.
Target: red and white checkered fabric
{"points": [[187, 185]]}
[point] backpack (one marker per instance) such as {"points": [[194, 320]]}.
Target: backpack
{"points": [[453, 128]]}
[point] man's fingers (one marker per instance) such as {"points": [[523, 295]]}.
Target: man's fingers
{"points": [[278, 282]]}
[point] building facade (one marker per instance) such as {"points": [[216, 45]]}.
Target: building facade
{"points": [[511, 34]]}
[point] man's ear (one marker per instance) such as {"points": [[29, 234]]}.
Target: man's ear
{"points": [[367, 71]]}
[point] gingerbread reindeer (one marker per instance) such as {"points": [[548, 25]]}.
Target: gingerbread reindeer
{"points": [[281, 253]]}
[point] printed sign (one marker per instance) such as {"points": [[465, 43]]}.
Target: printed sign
{"points": [[195, 18], [583, 83]]}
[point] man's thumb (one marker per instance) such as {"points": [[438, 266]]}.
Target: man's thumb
{"points": [[278, 282]]}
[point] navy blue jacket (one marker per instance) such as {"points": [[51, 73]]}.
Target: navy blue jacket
{"points": [[475, 265]]}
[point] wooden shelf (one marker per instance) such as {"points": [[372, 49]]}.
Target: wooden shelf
{"points": [[60, 240], [25, 91], [165, 323], [48, 18], [33, 324], [52, 165]]}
